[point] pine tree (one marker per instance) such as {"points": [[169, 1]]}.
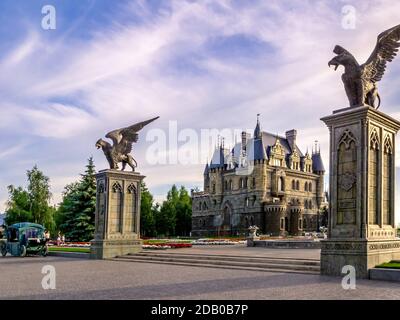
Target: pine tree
{"points": [[78, 207], [147, 219]]}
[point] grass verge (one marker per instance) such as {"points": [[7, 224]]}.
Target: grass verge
{"points": [[69, 249]]}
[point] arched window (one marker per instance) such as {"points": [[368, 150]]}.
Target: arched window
{"points": [[230, 185], [281, 184], [204, 206], [293, 185], [310, 187], [305, 204], [254, 200], [246, 180], [226, 184], [213, 188], [297, 185], [306, 186], [240, 183], [246, 201], [254, 182]]}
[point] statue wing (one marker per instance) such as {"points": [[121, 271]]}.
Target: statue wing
{"points": [[385, 50], [124, 138]]}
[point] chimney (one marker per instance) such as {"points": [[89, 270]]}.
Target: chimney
{"points": [[291, 138]]}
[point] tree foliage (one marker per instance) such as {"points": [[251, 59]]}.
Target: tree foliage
{"points": [[76, 214], [32, 204]]}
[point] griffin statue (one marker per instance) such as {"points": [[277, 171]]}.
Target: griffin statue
{"points": [[122, 145], [360, 81]]}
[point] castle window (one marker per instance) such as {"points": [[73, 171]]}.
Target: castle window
{"points": [[252, 220], [293, 185], [281, 184], [254, 200], [226, 184], [254, 182], [199, 206], [246, 182], [297, 185], [205, 206], [306, 186], [305, 204], [240, 183], [300, 224], [305, 224], [204, 223], [213, 188], [230, 185], [215, 202], [310, 187], [282, 226], [246, 201], [246, 222]]}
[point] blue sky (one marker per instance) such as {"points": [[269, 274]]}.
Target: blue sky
{"points": [[204, 64]]}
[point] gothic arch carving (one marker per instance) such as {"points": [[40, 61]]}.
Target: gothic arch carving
{"points": [[347, 138], [374, 139], [388, 148]]}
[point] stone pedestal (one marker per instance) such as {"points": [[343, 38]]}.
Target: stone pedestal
{"points": [[117, 214], [361, 223]]}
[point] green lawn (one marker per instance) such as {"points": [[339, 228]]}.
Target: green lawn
{"points": [[391, 265], [69, 249]]}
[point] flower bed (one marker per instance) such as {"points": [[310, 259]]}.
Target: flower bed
{"points": [[70, 244], [217, 242], [166, 244]]}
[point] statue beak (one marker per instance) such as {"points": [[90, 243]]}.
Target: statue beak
{"points": [[333, 63]]}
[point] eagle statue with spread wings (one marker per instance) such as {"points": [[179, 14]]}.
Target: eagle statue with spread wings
{"points": [[360, 81], [122, 145]]}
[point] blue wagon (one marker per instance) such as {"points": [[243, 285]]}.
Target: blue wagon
{"points": [[24, 238]]}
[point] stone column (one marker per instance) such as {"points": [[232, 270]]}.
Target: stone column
{"points": [[117, 229], [362, 229]]}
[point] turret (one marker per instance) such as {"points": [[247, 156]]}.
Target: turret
{"points": [[319, 169]]}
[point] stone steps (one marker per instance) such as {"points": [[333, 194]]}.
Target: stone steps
{"points": [[286, 265]]}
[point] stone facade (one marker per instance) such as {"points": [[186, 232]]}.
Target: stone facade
{"points": [[362, 230], [265, 180], [117, 225]]}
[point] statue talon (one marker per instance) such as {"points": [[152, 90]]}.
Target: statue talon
{"points": [[360, 81], [122, 145]]}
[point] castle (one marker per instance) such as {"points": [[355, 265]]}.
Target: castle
{"points": [[264, 180]]}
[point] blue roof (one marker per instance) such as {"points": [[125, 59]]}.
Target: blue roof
{"points": [[317, 164], [260, 153]]}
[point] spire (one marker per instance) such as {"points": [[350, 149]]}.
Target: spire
{"points": [[257, 130]]}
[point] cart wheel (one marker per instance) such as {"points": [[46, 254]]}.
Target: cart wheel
{"points": [[23, 251], [45, 251], [3, 250]]}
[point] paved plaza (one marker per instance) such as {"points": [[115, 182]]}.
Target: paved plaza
{"points": [[98, 279]]}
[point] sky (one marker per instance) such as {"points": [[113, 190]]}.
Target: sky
{"points": [[196, 64]]}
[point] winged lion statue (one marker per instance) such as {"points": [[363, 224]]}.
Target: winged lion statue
{"points": [[122, 145], [360, 81]]}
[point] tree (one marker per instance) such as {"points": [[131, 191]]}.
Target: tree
{"points": [[18, 206], [39, 197], [77, 210], [31, 205], [183, 213], [147, 211], [175, 214]]}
